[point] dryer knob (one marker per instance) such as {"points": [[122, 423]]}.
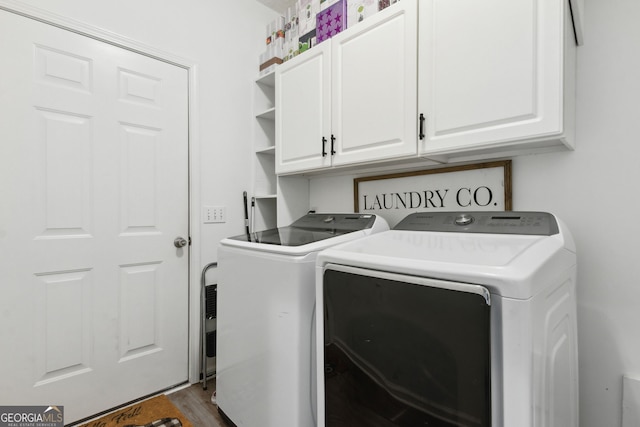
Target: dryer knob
{"points": [[463, 219]]}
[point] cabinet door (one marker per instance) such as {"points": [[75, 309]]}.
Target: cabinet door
{"points": [[374, 87], [491, 72], [303, 115]]}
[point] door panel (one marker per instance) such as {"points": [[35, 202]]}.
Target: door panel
{"points": [[403, 350], [94, 179], [374, 84], [303, 111], [504, 81], [66, 292]]}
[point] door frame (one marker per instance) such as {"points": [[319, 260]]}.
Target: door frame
{"points": [[81, 28]]}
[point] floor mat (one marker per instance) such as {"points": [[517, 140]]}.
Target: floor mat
{"points": [[154, 412]]}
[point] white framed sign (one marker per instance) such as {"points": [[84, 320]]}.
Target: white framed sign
{"points": [[476, 187]]}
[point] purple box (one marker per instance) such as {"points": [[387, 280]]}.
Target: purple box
{"points": [[331, 21]]}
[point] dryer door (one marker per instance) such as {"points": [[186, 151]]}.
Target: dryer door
{"points": [[404, 351]]}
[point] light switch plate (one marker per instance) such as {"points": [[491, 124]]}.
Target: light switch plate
{"points": [[214, 214]]}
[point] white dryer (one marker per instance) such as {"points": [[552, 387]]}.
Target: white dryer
{"points": [[266, 296], [450, 319]]}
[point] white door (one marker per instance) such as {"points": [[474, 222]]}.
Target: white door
{"points": [[93, 192], [374, 84], [303, 111]]}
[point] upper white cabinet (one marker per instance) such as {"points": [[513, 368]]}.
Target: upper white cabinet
{"points": [[303, 118], [351, 99], [445, 80], [495, 76], [373, 86]]}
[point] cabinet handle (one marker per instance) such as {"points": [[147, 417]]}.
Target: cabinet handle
{"points": [[324, 143], [333, 140], [421, 135]]}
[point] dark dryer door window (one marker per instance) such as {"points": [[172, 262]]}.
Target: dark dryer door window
{"points": [[405, 353]]}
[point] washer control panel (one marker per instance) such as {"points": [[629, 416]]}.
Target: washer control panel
{"points": [[532, 223], [337, 221]]}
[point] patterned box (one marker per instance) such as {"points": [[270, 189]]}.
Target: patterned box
{"points": [[358, 10], [326, 3], [331, 20], [383, 4], [307, 10]]}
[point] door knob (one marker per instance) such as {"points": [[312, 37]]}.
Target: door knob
{"points": [[180, 242]]}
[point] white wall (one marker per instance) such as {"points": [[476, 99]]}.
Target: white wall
{"points": [[592, 189], [595, 191]]}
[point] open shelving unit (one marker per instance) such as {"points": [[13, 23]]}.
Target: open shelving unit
{"points": [[264, 198], [277, 201]]}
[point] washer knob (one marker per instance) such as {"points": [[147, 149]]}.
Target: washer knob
{"points": [[463, 219]]}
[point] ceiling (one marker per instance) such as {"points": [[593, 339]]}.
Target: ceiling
{"points": [[279, 6]]}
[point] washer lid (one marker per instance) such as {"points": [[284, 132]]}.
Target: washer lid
{"points": [[302, 235], [422, 250], [513, 265]]}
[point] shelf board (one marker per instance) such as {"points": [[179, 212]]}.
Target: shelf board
{"points": [[269, 150], [267, 80], [269, 114]]}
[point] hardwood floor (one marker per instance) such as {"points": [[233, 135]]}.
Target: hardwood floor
{"points": [[195, 404]]}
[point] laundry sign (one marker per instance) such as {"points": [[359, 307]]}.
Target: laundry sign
{"points": [[476, 187]]}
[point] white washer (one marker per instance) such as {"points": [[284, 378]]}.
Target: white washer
{"points": [[265, 331], [450, 320]]}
